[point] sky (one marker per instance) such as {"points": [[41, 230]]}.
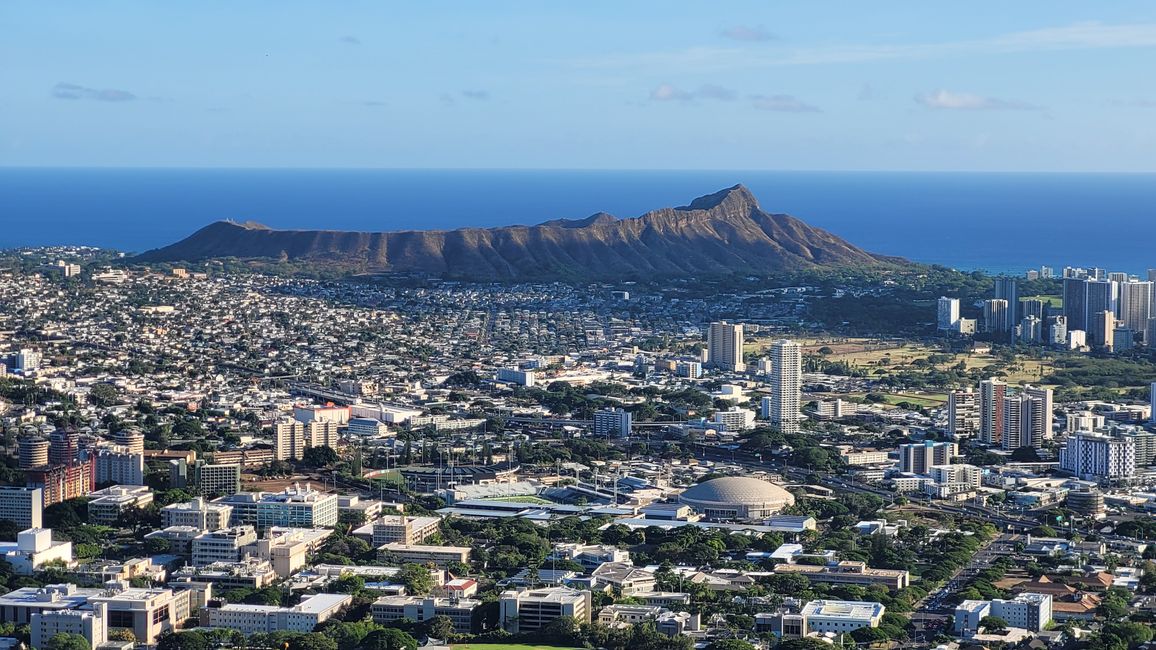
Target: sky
{"points": [[984, 86]]}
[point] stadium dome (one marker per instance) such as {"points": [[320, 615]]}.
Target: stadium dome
{"points": [[737, 497]]}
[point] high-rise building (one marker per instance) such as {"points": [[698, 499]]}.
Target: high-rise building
{"points": [[1102, 329], [1135, 305], [1076, 303], [1026, 419], [1006, 289], [1031, 330], [1152, 402], [995, 317], [288, 439], [919, 457], [132, 441], [1145, 442], [33, 452], [1123, 339], [947, 317], [724, 346], [1058, 331], [612, 423], [786, 385], [1102, 296], [530, 610], [64, 447], [1032, 307], [217, 479], [1096, 457], [991, 419], [962, 413], [63, 482], [116, 465], [1150, 333], [321, 433]]}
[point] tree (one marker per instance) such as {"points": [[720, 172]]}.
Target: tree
{"points": [[66, 641], [808, 643], [312, 641], [389, 639], [730, 644], [122, 634], [103, 395], [441, 627], [416, 578], [192, 640], [993, 624], [320, 457]]}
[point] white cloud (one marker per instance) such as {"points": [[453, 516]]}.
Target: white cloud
{"points": [[671, 93], [948, 100]]}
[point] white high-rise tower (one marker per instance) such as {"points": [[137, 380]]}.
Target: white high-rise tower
{"points": [[724, 344], [786, 385]]}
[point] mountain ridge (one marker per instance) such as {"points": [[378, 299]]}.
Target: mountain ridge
{"points": [[721, 233]]}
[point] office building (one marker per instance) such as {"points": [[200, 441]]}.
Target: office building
{"points": [[516, 376], [612, 423], [689, 369], [23, 506], [106, 506], [724, 346], [148, 613], [20, 605], [734, 419], [390, 609], [1027, 611], [1006, 289], [991, 419], [215, 479], [33, 549], [1101, 330], [367, 428], [198, 513], [404, 530], [1096, 457], [441, 556], [530, 610], [288, 439], [995, 318], [247, 573], [92, 624], [1152, 402], [918, 458], [1076, 303], [963, 413], [841, 616], [293, 507], [221, 545], [947, 315], [786, 386], [262, 619], [288, 549]]}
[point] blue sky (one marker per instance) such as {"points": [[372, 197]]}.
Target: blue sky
{"points": [[653, 85]]}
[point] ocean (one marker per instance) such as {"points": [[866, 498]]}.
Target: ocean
{"points": [[998, 222]]}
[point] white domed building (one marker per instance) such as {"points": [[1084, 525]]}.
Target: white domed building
{"points": [[737, 498]]}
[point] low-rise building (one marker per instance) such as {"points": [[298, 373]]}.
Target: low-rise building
{"points": [[288, 549], [198, 513], [106, 506], [260, 619], [529, 610], [404, 530], [849, 573], [33, 549], [92, 624], [461, 611], [441, 556], [221, 545], [627, 615], [841, 616], [147, 613], [249, 573]]}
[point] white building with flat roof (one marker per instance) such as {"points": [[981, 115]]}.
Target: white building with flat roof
{"points": [[388, 609], [261, 619], [148, 613], [529, 610], [221, 545], [33, 549], [18, 606], [421, 554], [404, 530], [841, 616], [105, 506], [296, 506]]}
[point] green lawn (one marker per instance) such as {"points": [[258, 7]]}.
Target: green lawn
{"points": [[506, 646], [521, 499]]}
